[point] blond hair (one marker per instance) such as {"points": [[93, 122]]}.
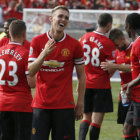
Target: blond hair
{"points": [[60, 7]]}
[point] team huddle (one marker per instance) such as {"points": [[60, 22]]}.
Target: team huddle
{"points": [[47, 63]]}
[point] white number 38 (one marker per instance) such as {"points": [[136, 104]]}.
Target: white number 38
{"points": [[94, 56]]}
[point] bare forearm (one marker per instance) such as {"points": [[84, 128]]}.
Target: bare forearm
{"points": [[121, 67], [81, 90], [124, 68], [113, 67], [134, 82], [81, 83], [79, 109], [34, 67]]}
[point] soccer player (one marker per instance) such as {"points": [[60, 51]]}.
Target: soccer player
{"points": [[132, 122], [98, 98], [5, 40], [122, 63], [15, 86], [53, 56]]}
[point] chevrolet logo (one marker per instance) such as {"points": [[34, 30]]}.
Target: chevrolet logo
{"points": [[53, 64]]}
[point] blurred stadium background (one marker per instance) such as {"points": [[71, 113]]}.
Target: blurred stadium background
{"points": [[37, 21]]}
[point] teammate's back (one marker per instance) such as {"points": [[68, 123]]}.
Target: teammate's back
{"points": [[98, 99], [15, 93], [97, 48], [13, 59]]}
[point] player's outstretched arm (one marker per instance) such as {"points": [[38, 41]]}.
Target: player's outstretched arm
{"points": [[33, 67], [109, 66], [81, 82]]}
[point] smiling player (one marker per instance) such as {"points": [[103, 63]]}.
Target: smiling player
{"points": [[53, 56]]}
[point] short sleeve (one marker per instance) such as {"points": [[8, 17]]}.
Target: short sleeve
{"points": [[33, 52], [78, 54]]}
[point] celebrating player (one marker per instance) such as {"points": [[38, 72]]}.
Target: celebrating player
{"points": [[122, 63], [98, 98], [15, 93], [53, 56]]}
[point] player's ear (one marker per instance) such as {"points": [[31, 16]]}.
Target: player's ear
{"points": [[109, 25], [127, 27], [50, 18], [24, 35], [130, 27]]}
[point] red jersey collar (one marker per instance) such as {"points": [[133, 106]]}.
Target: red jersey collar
{"points": [[57, 41], [99, 33], [129, 45], [15, 43]]}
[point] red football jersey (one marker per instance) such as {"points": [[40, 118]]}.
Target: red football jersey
{"points": [[123, 57], [5, 41], [54, 79], [97, 48], [15, 94], [135, 60]]}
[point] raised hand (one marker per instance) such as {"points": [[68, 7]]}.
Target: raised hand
{"points": [[49, 47]]}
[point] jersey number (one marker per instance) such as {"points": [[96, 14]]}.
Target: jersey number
{"points": [[94, 58], [11, 73]]}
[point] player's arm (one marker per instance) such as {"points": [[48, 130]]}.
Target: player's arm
{"points": [[109, 66], [80, 70], [132, 84], [123, 67], [31, 81], [33, 67]]}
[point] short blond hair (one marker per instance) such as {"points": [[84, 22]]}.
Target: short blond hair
{"points": [[60, 7]]}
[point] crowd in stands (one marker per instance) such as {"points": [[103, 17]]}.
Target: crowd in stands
{"points": [[14, 8]]}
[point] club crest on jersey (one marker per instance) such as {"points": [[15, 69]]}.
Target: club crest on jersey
{"points": [[33, 131], [31, 51], [128, 57], [53, 64], [65, 52]]}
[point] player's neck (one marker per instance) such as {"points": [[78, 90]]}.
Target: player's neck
{"points": [[101, 30], [135, 34], [17, 40], [56, 35]]}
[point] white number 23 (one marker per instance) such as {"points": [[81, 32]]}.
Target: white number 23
{"points": [[11, 73]]}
